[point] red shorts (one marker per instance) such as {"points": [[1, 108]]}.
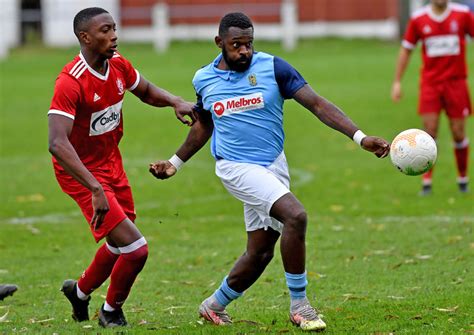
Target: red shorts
{"points": [[118, 193], [452, 96]]}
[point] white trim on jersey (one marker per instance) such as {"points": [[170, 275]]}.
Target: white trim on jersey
{"points": [[441, 17], [133, 246], [137, 81], [408, 45], [58, 112], [78, 70], [74, 68], [94, 72]]}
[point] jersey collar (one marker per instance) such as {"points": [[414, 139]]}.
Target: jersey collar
{"points": [[94, 72], [229, 74], [439, 18]]}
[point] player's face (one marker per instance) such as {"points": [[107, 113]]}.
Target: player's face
{"points": [[440, 3], [101, 37], [237, 48]]}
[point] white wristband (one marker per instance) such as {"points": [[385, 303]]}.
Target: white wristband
{"points": [[176, 161], [359, 136]]}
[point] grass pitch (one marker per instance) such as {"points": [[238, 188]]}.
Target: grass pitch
{"points": [[380, 259]]}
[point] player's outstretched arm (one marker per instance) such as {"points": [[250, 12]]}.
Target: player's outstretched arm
{"points": [[158, 97], [197, 137], [333, 117], [61, 148]]}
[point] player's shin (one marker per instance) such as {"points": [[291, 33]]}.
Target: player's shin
{"points": [[126, 269], [98, 271]]}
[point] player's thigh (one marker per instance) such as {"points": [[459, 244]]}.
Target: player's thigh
{"points": [[83, 198], [287, 208], [457, 101], [124, 196], [256, 219], [254, 185], [124, 234], [430, 100]]}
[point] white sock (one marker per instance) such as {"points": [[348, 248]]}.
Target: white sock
{"points": [[81, 295], [108, 308]]}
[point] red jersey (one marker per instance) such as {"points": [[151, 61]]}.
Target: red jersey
{"points": [[94, 102], [444, 41]]}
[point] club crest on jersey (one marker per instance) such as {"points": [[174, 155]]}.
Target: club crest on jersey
{"points": [[253, 79], [238, 104], [120, 86], [427, 29], [454, 26]]}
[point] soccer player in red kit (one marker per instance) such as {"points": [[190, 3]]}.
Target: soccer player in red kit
{"points": [[442, 28], [85, 128]]}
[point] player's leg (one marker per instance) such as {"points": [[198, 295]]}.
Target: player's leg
{"points": [[458, 108], [247, 269], [133, 254], [292, 214], [430, 124], [429, 107]]}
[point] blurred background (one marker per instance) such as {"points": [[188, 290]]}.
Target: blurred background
{"points": [[160, 22]]}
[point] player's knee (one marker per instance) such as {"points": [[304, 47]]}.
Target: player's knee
{"points": [[136, 252], [298, 221]]}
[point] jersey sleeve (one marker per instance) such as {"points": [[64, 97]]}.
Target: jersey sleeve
{"points": [[411, 36], [289, 80], [198, 106], [66, 96], [131, 75], [470, 24]]}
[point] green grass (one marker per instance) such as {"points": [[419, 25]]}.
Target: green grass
{"points": [[380, 259]]}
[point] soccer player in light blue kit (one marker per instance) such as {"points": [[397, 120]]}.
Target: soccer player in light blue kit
{"points": [[240, 104]]}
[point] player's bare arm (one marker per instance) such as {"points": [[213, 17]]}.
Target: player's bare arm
{"points": [[197, 137], [61, 148], [333, 117], [158, 97], [402, 63]]}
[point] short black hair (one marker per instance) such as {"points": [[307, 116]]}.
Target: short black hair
{"points": [[83, 17], [239, 20]]}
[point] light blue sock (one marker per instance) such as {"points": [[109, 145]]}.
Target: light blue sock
{"points": [[225, 295], [297, 285]]}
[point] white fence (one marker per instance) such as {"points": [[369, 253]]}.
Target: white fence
{"points": [[288, 30]]}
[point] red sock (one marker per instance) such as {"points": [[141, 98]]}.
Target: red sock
{"points": [[123, 275], [427, 177], [98, 271], [461, 151]]}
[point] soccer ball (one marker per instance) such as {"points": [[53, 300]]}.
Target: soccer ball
{"points": [[413, 152]]}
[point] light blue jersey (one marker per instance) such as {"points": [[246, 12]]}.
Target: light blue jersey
{"points": [[247, 107]]}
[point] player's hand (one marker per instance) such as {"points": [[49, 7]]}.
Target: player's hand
{"points": [[377, 145], [100, 205], [396, 93], [162, 169], [185, 112]]}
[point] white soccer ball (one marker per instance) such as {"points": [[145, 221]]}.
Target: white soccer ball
{"points": [[413, 152]]}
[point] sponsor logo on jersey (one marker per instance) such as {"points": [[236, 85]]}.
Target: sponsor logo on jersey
{"points": [[442, 45], [253, 79], [105, 120], [238, 104], [120, 86]]}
